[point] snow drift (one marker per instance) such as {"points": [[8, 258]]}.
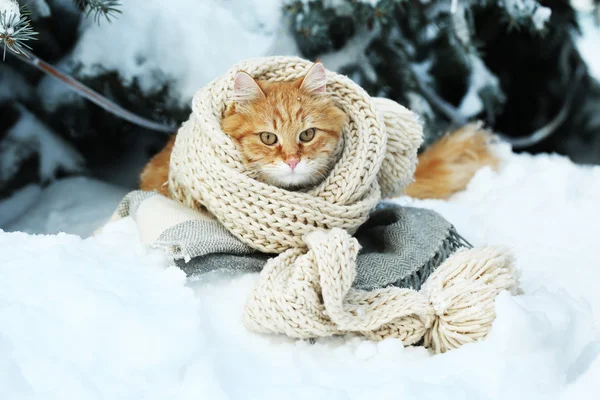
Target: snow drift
{"points": [[105, 318]]}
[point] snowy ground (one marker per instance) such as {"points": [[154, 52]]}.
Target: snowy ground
{"points": [[104, 318]]}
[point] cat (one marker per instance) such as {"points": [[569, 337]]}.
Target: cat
{"points": [[289, 133]]}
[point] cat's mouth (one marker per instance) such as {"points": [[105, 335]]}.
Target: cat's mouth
{"points": [[292, 179], [284, 176]]}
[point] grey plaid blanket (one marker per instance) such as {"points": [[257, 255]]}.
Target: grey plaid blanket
{"points": [[400, 246]]}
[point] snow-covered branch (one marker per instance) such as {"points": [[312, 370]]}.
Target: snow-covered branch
{"points": [[15, 28]]}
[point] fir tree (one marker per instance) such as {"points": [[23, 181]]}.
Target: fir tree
{"points": [[511, 63], [432, 56], [89, 135]]}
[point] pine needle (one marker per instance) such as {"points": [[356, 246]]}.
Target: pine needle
{"points": [[100, 8], [15, 31]]}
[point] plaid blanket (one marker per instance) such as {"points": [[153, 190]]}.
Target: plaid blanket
{"points": [[400, 246]]}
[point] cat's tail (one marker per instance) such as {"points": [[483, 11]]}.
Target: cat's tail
{"points": [[447, 166]]}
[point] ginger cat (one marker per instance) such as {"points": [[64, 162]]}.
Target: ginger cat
{"points": [[288, 134]]}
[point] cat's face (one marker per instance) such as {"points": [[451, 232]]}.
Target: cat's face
{"points": [[287, 132]]}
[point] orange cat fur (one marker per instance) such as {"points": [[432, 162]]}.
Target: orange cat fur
{"points": [[447, 166], [156, 173], [288, 132]]}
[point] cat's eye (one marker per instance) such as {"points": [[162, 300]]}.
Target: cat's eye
{"points": [[268, 138], [307, 135]]}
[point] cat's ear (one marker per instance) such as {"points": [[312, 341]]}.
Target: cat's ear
{"points": [[245, 88], [315, 80]]}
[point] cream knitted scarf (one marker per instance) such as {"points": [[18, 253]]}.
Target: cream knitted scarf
{"points": [[306, 291]]}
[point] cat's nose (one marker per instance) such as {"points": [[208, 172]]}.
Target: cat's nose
{"points": [[292, 162]]}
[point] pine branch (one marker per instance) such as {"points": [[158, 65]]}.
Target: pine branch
{"points": [[435, 100], [541, 134], [526, 13], [99, 8], [15, 29]]}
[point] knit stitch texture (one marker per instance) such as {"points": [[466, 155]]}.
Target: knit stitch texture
{"points": [[307, 291], [379, 158]]}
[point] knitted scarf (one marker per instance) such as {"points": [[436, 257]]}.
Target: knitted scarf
{"points": [[379, 156], [308, 289]]}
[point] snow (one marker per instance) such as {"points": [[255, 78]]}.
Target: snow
{"points": [[479, 79], [105, 318], [419, 105], [55, 93], [14, 206], [583, 5], [540, 17], [9, 11], [13, 85], [39, 8], [521, 8], [76, 205], [188, 43], [353, 53], [454, 6], [543, 207], [588, 42], [29, 135]]}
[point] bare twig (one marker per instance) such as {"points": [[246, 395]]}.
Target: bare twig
{"points": [[437, 101], [93, 96], [545, 131]]}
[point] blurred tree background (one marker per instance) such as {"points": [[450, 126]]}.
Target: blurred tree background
{"points": [[512, 63]]}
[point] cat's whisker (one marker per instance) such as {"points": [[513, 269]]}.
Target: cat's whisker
{"points": [[281, 109], [319, 174], [255, 160]]}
